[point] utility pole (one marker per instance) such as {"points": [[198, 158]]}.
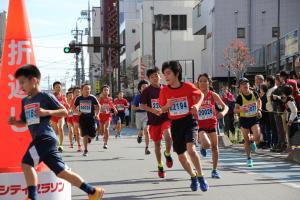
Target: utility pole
{"points": [[76, 34], [82, 63], [153, 35], [118, 50], [278, 36]]}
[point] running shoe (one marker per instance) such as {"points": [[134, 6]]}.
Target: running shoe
{"points": [[203, 184], [97, 138], [105, 146], [60, 149], [253, 147], [203, 152], [97, 195], [161, 172], [71, 146], [250, 162], [194, 184], [215, 174], [85, 153], [89, 140], [147, 152], [169, 160], [139, 139]]}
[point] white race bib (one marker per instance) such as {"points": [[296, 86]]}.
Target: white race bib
{"points": [[105, 108], [120, 107], [85, 107], [155, 104], [205, 112], [251, 109], [31, 113], [180, 106]]}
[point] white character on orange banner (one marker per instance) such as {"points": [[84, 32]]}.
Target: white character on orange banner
{"points": [[17, 49], [15, 88], [15, 128]]}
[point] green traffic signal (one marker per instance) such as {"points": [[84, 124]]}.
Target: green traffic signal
{"points": [[67, 50]]}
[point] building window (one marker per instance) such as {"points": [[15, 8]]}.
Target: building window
{"points": [[179, 22], [199, 10], [241, 33], [275, 32], [162, 22]]}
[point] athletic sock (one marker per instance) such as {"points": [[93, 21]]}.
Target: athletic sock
{"points": [[88, 188], [32, 192]]}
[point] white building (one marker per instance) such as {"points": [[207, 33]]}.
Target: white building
{"points": [[95, 71], [253, 21], [173, 35], [2, 30]]}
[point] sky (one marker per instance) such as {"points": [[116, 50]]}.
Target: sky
{"points": [[51, 22]]}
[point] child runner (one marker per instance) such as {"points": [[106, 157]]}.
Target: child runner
{"points": [[75, 118], [182, 100], [105, 113], [87, 107], [208, 119], [69, 118], [141, 118], [121, 103], [58, 122], [248, 105], [159, 125], [37, 109], [98, 130]]}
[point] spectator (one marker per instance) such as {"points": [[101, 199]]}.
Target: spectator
{"points": [[271, 115], [259, 80], [266, 144], [229, 100]]}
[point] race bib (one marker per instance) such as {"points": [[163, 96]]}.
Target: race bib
{"points": [[205, 112], [120, 107], [31, 113], [155, 104], [104, 108], [251, 109], [180, 107], [85, 107], [71, 113]]}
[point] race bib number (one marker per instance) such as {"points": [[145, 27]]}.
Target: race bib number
{"points": [[121, 107], [251, 109], [105, 108], [205, 112], [31, 113], [85, 107], [180, 107], [71, 113], [155, 104]]}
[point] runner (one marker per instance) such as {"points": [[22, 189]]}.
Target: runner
{"points": [[182, 100], [207, 121], [98, 130], [248, 106], [87, 107], [37, 109], [69, 118], [75, 118], [59, 122], [105, 113], [121, 104], [141, 118], [159, 124]]}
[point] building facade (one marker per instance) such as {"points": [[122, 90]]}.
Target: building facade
{"points": [[2, 31], [253, 21]]}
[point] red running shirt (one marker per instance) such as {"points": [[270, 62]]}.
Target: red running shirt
{"points": [[106, 105], [207, 115], [183, 98], [61, 98], [121, 104]]}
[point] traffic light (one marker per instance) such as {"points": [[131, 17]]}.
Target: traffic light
{"points": [[73, 48], [76, 50]]}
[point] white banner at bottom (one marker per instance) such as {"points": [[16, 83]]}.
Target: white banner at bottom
{"points": [[13, 187]]}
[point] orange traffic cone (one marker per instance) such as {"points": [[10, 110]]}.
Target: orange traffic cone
{"points": [[17, 51]]}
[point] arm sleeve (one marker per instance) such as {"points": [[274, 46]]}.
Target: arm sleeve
{"points": [[95, 101], [135, 101], [144, 97], [53, 103], [76, 103], [292, 106]]}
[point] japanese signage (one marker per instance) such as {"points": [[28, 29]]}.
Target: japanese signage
{"points": [[291, 43]]}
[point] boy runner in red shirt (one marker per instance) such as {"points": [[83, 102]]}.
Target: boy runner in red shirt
{"points": [[207, 121], [121, 104], [159, 125], [58, 122], [105, 113], [182, 100]]}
